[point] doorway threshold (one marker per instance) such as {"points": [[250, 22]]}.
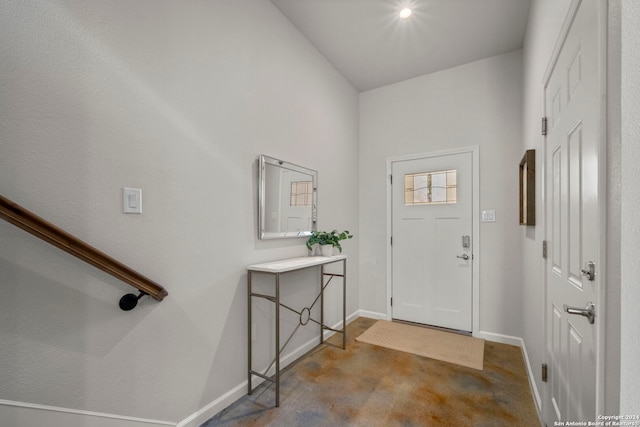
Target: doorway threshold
{"points": [[437, 328]]}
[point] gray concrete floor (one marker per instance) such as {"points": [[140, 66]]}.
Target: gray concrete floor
{"points": [[367, 385]]}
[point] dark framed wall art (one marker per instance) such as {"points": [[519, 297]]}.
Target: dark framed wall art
{"points": [[528, 188]]}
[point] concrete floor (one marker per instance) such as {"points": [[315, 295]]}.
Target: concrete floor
{"points": [[366, 385]]}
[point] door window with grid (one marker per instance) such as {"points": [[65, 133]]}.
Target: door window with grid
{"points": [[428, 188]]}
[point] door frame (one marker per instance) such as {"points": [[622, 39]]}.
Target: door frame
{"points": [[475, 223], [602, 11]]}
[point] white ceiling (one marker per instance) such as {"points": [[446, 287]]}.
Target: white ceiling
{"points": [[372, 46]]}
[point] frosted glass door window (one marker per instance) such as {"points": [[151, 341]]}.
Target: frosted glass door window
{"points": [[427, 188]]}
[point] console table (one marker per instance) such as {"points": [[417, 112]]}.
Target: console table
{"points": [[277, 268]]}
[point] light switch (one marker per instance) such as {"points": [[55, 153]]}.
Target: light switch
{"points": [[131, 200], [489, 216]]}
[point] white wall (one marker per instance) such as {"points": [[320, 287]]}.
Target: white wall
{"points": [[473, 104], [614, 172], [179, 99], [630, 90]]}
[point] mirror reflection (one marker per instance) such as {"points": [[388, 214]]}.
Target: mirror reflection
{"points": [[288, 201]]}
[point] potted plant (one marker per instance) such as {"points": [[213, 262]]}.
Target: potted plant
{"points": [[327, 240]]}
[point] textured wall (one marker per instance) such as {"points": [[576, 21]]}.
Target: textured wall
{"points": [[179, 99], [614, 201], [630, 90]]}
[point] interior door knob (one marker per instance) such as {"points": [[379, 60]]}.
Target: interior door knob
{"points": [[463, 256], [589, 311]]}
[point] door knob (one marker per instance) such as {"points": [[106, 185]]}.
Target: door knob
{"points": [[463, 256], [589, 311]]}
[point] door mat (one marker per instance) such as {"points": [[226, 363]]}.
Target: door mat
{"points": [[445, 346]]}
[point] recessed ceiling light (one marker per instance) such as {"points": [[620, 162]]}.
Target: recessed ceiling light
{"points": [[405, 13]]}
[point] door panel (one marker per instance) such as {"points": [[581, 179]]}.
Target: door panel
{"points": [[573, 231], [447, 233], [556, 346], [574, 216], [430, 284]]}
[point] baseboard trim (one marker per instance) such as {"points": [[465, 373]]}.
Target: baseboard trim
{"points": [[217, 405], [499, 338], [350, 318], [519, 342], [532, 378], [372, 314], [85, 416]]}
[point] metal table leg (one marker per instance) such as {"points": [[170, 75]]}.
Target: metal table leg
{"points": [[249, 330], [277, 339], [321, 304], [344, 304]]}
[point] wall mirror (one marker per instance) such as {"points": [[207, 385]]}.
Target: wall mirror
{"points": [[288, 199]]}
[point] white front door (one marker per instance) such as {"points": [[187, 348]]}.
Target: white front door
{"points": [[432, 240], [573, 229]]}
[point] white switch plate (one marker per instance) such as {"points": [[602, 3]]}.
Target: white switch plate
{"points": [[489, 216], [131, 200]]}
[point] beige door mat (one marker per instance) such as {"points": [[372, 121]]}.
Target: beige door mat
{"points": [[445, 346]]}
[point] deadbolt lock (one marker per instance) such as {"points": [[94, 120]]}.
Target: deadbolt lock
{"points": [[589, 271]]}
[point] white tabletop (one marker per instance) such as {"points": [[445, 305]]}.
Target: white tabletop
{"points": [[292, 264]]}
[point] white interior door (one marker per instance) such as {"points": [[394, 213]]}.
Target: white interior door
{"points": [[432, 240], [573, 222]]}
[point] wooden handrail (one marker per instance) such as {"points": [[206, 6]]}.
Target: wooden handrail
{"points": [[39, 227]]}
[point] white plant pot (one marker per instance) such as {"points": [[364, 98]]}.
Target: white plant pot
{"points": [[326, 250]]}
